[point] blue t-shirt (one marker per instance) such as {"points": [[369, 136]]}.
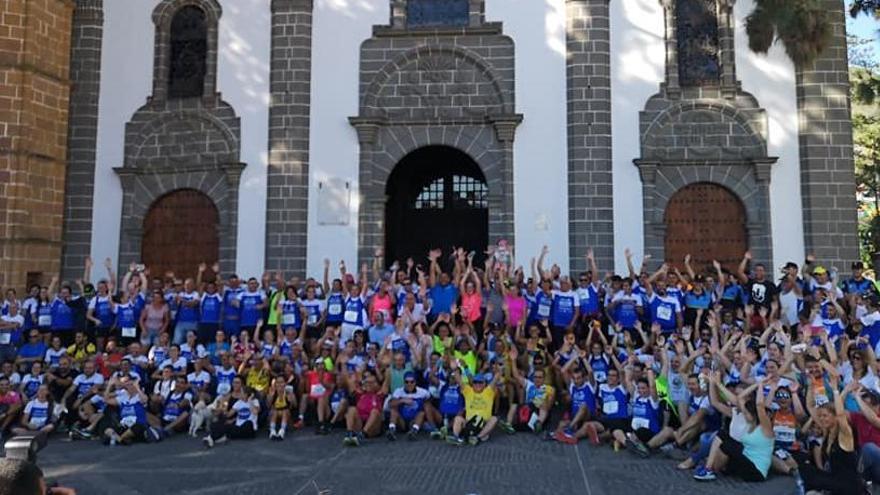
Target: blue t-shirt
{"points": [[582, 396], [210, 308], [62, 315], [563, 308], [442, 297], [589, 299], [614, 402]]}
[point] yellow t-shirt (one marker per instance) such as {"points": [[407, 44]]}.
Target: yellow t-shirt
{"points": [[82, 354], [257, 379], [478, 404]]}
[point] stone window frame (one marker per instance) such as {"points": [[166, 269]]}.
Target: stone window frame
{"points": [[163, 15], [726, 49]]}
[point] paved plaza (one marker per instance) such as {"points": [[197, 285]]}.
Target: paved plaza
{"points": [[308, 464]]}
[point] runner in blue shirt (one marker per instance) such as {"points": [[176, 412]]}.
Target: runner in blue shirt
{"points": [[231, 311], [210, 309], [582, 402], [443, 290], [564, 311], [251, 304], [335, 300], [665, 309]]}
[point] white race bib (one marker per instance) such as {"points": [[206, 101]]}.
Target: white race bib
{"points": [[288, 319], [5, 338], [351, 316], [664, 313], [334, 309], [543, 311], [44, 320], [317, 390], [129, 332], [223, 388], [313, 319], [610, 407], [640, 423]]}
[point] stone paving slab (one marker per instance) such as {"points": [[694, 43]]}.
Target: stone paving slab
{"points": [[308, 464]]}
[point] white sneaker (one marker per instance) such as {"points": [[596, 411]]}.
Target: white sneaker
{"points": [[281, 434], [221, 440], [271, 434], [208, 441]]}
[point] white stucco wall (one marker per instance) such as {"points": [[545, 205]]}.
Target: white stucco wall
{"points": [[540, 156], [243, 81], [638, 58], [126, 82], [338, 29], [770, 78]]}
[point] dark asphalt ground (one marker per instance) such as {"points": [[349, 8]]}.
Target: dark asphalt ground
{"points": [[308, 464]]}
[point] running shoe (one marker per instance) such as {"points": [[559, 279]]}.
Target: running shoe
{"points": [[473, 441], [637, 448], [208, 441], [298, 424], [412, 435], [455, 440], [391, 435], [348, 440], [506, 427], [436, 435], [702, 473]]}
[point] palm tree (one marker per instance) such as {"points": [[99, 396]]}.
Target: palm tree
{"points": [[802, 26]]}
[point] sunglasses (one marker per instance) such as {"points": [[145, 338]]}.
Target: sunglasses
{"points": [[409, 381]]}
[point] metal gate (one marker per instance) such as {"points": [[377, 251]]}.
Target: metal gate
{"points": [[437, 198]]}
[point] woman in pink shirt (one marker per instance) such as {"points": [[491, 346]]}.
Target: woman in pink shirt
{"points": [[514, 301], [383, 301], [471, 296]]}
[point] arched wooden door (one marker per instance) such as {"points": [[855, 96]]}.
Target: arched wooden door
{"points": [[181, 231], [708, 222]]}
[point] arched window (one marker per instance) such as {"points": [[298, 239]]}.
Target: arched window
{"points": [[189, 53], [430, 13], [697, 34]]}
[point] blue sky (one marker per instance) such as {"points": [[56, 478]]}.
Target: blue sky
{"points": [[864, 27]]}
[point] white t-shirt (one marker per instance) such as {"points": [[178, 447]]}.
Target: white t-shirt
{"points": [[85, 383], [199, 380], [243, 412], [163, 388], [37, 412]]}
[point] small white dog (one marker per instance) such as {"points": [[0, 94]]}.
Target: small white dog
{"points": [[200, 415]]}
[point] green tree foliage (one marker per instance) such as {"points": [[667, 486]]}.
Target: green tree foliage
{"points": [[802, 26]]}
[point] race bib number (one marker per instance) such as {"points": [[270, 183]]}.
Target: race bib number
{"points": [[334, 309], [129, 332], [543, 311], [317, 391], [351, 316], [313, 319], [5, 338], [44, 320], [785, 434], [223, 388], [638, 423], [601, 376], [610, 407], [288, 319], [664, 313]]}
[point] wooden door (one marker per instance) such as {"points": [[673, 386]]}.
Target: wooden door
{"points": [[180, 231], [708, 222]]}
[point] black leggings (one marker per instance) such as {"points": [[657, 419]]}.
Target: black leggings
{"points": [[821, 480], [221, 429]]}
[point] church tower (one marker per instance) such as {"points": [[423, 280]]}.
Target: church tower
{"points": [[34, 100]]}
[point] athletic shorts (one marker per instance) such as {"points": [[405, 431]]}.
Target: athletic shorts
{"points": [[612, 424], [473, 427]]}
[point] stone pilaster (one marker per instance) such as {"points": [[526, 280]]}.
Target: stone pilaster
{"points": [[826, 151], [85, 76], [588, 74], [288, 174]]}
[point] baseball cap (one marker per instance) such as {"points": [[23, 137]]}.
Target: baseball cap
{"points": [[479, 378], [790, 265], [819, 270], [409, 375]]}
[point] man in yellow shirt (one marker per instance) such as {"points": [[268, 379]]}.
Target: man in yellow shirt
{"points": [[478, 421]]}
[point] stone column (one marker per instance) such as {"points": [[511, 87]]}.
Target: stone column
{"points": [[34, 99], [826, 151], [590, 203], [85, 76], [288, 174]]}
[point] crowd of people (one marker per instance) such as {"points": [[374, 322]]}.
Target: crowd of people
{"points": [[735, 370]]}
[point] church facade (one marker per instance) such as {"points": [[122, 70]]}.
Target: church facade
{"points": [[274, 134]]}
